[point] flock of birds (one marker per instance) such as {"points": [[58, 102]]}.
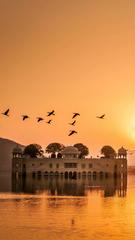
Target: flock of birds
{"points": [[52, 113], [73, 123]]}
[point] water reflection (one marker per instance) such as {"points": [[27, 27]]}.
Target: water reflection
{"points": [[54, 186], [55, 208], [5, 182]]}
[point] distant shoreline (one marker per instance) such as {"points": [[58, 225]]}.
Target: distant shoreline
{"points": [[131, 169]]}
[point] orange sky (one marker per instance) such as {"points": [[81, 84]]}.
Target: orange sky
{"points": [[69, 56]]}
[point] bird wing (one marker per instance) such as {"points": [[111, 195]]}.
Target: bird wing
{"points": [[74, 115], [49, 121], [40, 119], [50, 113], [25, 117], [53, 113], [102, 116], [6, 112]]}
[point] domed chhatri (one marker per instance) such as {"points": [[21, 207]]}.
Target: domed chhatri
{"points": [[17, 151], [70, 152], [122, 152]]}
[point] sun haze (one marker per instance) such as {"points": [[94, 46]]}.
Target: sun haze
{"points": [[70, 56]]}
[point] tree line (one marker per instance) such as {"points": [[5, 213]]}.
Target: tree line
{"points": [[36, 151]]}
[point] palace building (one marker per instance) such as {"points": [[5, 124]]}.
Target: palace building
{"points": [[69, 165]]}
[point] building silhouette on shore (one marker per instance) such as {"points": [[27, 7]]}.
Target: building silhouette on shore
{"points": [[69, 165]]}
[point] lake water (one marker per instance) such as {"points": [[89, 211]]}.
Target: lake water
{"points": [[37, 209]]}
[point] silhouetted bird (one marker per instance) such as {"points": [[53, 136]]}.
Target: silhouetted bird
{"points": [[72, 132], [25, 117], [101, 117], [39, 119], [72, 221], [6, 113], [75, 115], [73, 123], [51, 113], [49, 122]]}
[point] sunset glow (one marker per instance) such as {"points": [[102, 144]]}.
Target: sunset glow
{"points": [[71, 56]]}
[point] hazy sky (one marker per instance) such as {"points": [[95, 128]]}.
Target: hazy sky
{"points": [[68, 55]]}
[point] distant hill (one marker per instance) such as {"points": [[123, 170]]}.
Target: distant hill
{"points": [[6, 148]]}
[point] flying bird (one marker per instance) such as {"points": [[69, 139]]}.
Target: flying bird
{"points": [[25, 117], [75, 115], [51, 113], [6, 113], [49, 122], [72, 132], [101, 117], [73, 123], [39, 119]]}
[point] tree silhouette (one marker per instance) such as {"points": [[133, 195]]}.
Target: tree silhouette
{"points": [[54, 148], [84, 151], [108, 151], [33, 150]]}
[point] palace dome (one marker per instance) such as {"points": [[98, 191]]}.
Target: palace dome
{"points": [[122, 151], [70, 150], [17, 149]]}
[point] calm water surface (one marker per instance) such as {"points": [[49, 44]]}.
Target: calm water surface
{"points": [[37, 209]]}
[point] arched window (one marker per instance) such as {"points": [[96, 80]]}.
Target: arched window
{"points": [[101, 174], [70, 174], [66, 174], [46, 173], [56, 173]]}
